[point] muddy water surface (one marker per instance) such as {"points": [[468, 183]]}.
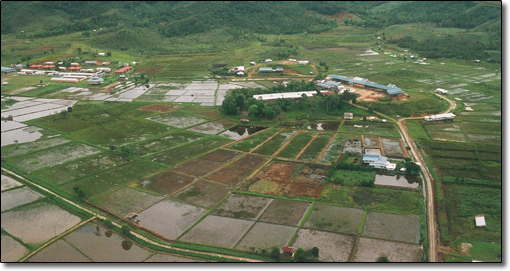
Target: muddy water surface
{"points": [[400, 181]]}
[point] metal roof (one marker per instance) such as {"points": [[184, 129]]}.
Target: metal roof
{"points": [[390, 90]]}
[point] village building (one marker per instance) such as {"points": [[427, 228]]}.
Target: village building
{"points": [[480, 220], [348, 116], [442, 91], [123, 70], [287, 251], [268, 60], [270, 70], [95, 81], [303, 62], [100, 54], [445, 116], [91, 62], [253, 63], [7, 69], [331, 85], [285, 95], [359, 82], [378, 161]]}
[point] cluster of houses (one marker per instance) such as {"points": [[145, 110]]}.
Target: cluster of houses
{"points": [[391, 89], [239, 70]]}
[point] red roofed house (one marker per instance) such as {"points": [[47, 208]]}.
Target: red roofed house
{"points": [[287, 251]]}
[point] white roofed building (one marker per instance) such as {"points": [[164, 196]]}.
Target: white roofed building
{"points": [[445, 116]]}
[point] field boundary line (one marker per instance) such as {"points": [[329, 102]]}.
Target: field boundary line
{"points": [[286, 143], [232, 143], [382, 147], [326, 148], [265, 141], [306, 147], [56, 238]]}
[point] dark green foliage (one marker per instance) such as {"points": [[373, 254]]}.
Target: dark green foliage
{"points": [[275, 253], [478, 200], [412, 168], [79, 192], [467, 181], [69, 109], [382, 259], [125, 151]]}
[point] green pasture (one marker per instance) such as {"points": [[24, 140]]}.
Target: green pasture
{"points": [[101, 183], [315, 148], [370, 128], [352, 178], [270, 147], [296, 145]]}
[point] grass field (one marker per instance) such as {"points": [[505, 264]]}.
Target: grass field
{"points": [[296, 145]]}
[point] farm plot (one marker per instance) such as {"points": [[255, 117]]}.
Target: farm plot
{"points": [[178, 119], [126, 200], [168, 182], [19, 149], [284, 212], [52, 156], [334, 218], [405, 228], [170, 218], [221, 156], [17, 197], [315, 148], [368, 250], [25, 134], [242, 207], [449, 127], [393, 147], [309, 174], [67, 124], [160, 108], [197, 167], [371, 142], [11, 250], [250, 161], [8, 183], [333, 247], [218, 231], [213, 127], [229, 175], [187, 151], [388, 130], [106, 246], [249, 143], [38, 222], [265, 236], [74, 169], [489, 139], [60, 251], [331, 126], [206, 112], [105, 181], [163, 143], [333, 151], [296, 145], [270, 147], [203, 193], [241, 131], [447, 136]]}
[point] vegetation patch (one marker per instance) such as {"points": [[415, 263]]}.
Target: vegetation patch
{"points": [[313, 151], [229, 175], [334, 218], [295, 146], [275, 143], [285, 212], [242, 206], [333, 247], [405, 228], [251, 142], [203, 193], [126, 200], [166, 183]]}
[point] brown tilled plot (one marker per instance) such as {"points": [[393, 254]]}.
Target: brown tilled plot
{"points": [[311, 175], [203, 193], [197, 167], [286, 212], [302, 190], [242, 206], [221, 156], [250, 161], [229, 175], [162, 108], [278, 172], [169, 182]]}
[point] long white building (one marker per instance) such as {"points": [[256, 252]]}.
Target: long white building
{"points": [[446, 116]]}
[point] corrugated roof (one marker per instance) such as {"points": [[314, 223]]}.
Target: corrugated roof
{"points": [[359, 80]]}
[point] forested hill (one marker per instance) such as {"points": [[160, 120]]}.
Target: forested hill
{"points": [[175, 18]]}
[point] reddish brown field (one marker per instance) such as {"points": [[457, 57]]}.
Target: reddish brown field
{"points": [[221, 156], [162, 108], [313, 175], [250, 161], [197, 167], [169, 182], [278, 172], [229, 175], [302, 190]]}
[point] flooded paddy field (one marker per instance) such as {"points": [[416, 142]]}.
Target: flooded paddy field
{"points": [[110, 179], [399, 181], [292, 125], [324, 126], [187, 151], [218, 231], [38, 222], [315, 148], [275, 143], [163, 143], [213, 127], [405, 228], [25, 134], [74, 169], [9, 183], [393, 147], [221, 156], [333, 151], [334, 218], [11, 125], [19, 149], [265, 236], [170, 218], [241, 131], [11, 250], [167, 183], [250, 143], [242, 206], [18, 196], [53, 156], [126, 200], [203, 193], [178, 119], [229, 175], [491, 139], [284, 212], [105, 245], [333, 247], [369, 249], [448, 136], [60, 251]]}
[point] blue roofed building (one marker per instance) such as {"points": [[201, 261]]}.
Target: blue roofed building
{"points": [[95, 81], [378, 161], [391, 89], [7, 69]]}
